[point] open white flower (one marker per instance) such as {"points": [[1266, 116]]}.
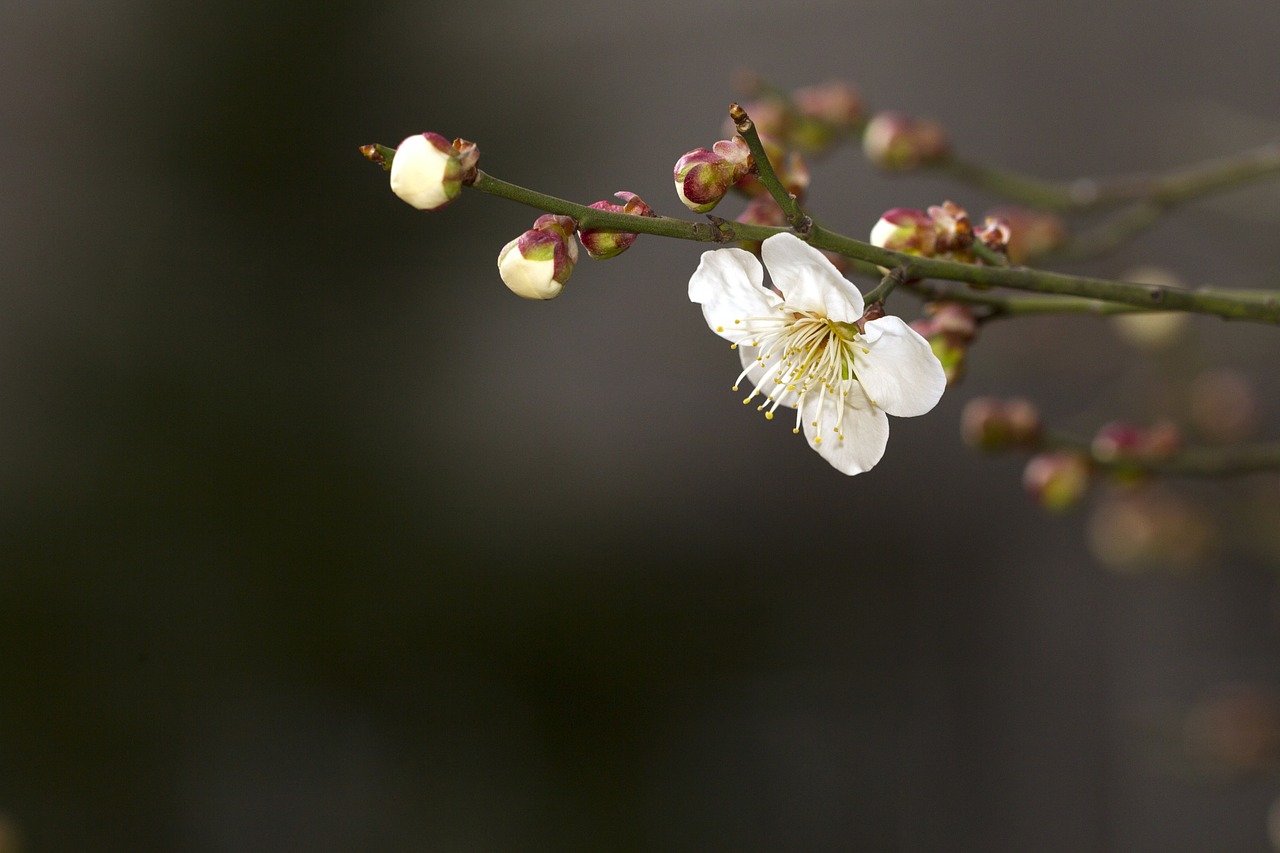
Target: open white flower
{"points": [[808, 347]]}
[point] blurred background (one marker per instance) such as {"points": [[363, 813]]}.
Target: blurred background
{"points": [[313, 537]]}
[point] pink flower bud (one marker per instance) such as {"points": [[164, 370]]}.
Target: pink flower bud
{"points": [[993, 424], [1119, 441], [954, 231], [835, 103], [703, 177], [536, 264], [1057, 480], [601, 244], [949, 328], [905, 230], [898, 143], [994, 233], [1031, 233], [428, 172]]}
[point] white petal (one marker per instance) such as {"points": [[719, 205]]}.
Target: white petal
{"points": [[864, 427], [899, 370], [730, 285], [418, 172], [526, 278], [808, 281]]}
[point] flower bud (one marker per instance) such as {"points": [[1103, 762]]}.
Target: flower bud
{"points": [[1119, 441], [994, 233], [905, 230], [949, 328], [428, 172], [1224, 406], [1149, 526], [954, 230], [900, 143], [990, 423], [536, 264], [825, 113], [601, 244], [703, 177], [1031, 233], [761, 210], [1056, 480]]}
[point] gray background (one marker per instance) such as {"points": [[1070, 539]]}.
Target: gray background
{"points": [[313, 537]]}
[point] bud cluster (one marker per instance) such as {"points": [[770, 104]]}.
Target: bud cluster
{"points": [[899, 143], [810, 119], [943, 231], [950, 328], [995, 424]]}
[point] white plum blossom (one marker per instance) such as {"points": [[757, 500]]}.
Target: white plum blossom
{"points": [[807, 344]]}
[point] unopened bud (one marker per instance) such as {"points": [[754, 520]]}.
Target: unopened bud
{"points": [[703, 176], [953, 228], [950, 328], [826, 112], [990, 423], [1119, 441], [536, 264], [428, 171], [1057, 480], [1224, 406], [898, 142], [994, 233], [602, 244], [1031, 233], [905, 230], [1149, 526]]}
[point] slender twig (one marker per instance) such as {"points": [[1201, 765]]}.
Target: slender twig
{"points": [[1224, 461], [1174, 187], [900, 275], [764, 171], [1262, 307]]}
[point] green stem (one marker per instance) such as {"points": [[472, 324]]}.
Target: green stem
{"points": [[1175, 187], [1262, 307], [765, 172], [901, 275], [1189, 462]]}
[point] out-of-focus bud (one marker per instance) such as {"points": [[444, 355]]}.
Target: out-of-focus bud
{"points": [[1149, 527], [761, 210], [1057, 480], [1224, 406], [950, 328], [1119, 441], [905, 230], [1031, 233], [536, 264], [994, 233], [428, 171], [993, 424], [702, 176], [1154, 330], [954, 230], [790, 168], [900, 143], [772, 119], [825, 113], [607, 244], [1235, 731]]}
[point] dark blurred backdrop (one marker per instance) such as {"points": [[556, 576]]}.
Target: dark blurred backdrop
{"points": [[314, 538]]}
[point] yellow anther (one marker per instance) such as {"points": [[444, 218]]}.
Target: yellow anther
{"points": [[735, 387], [768, 416], [736, 322], [818, 440], [733, 346], [719, 328], [795, 431], [748, 400]]}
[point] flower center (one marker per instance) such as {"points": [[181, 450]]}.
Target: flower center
{"points": [[801, 354]]}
